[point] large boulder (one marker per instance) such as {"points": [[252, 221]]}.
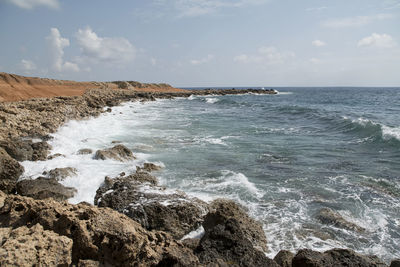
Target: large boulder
{"points": [[227, 243], [98, 234], [222, 210], [10, 170], [118, 152], [284, 258], [154, 207], [232, 237], [334, 258], [34, 246], [18, 149], [42, 188], [329, 216]]}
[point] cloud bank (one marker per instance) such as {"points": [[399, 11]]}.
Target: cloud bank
{"points": [[29, 4], [56, 47]]}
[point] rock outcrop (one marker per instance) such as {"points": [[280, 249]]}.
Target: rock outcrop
{"points": [[328, 216], [60, 173], [155, 208], [118, 152], [10, 170], [42, 188], [284, 258], [232, 237], [148, 167], [334, 258], [34, 246], [98, 234]]}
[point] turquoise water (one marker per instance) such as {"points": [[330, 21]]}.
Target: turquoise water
{"points": [[282, 156]]}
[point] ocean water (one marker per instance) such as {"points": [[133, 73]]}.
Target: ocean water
{"points": [[284, 157]]}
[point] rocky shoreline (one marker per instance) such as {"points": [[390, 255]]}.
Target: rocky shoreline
{"points": [[126, 226]]}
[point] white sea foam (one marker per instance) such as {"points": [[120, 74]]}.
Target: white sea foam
{"points": [[212, 100], [391, 132]]}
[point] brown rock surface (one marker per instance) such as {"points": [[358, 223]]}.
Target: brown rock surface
{"points": [[10, 170], [334, 258], [34, 246], [157, 209], [98, 234], [329, 216], [118, 152], [61, 173], [42, 188], [284, 258], [222, 210]]}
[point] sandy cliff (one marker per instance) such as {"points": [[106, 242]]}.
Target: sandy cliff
{"points": [[15, 87]]}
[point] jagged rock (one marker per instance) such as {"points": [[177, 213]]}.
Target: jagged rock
{"points": [[61, 173], [34, 246], [118, 152], [10, 170], [148, 167], [42, 188], [18, 149], [55, 156], [40, 150], [88, 263], [157, 209], [284, 258], [84, 151], [328, 216], [334, 258], [98, 234], [395, 263], [227, 242], [223, 209]]}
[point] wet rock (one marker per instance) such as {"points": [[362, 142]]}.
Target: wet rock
{"points": [[40, 150], [334, 258], [98, 234], [284, 258], [42, 188], [148, 167], [395, 263], [57, 155], [18, 149], [34, 246], [10, 170], [118, 152], [223, 209], [84, 151], [152, 206], [328, 216], [232, 237], [227, 242], [88, 263], [61, 173]]}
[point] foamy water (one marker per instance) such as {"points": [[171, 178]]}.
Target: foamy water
{"points": [[283, 157]]}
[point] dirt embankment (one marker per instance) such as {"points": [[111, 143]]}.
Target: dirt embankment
{"points": [[15, 87]]}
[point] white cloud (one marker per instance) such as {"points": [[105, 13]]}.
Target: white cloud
{"points": [[315, 60], [29, 4], [377, 40], [316, 9], [318, 43], [27, 65], [195, 8], [266, 54], [358, 21], [206, 59], [56, 47], [106, 49]]}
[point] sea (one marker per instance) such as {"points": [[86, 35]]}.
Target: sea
{"points": [[284, 157]]}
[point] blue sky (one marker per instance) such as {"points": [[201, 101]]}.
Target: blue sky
{"points": [[204, 42]]}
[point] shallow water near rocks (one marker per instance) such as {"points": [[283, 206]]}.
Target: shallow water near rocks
{"points": [[282, 156]]}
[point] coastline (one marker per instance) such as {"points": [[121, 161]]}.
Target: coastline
{"points": [[28, 123]]}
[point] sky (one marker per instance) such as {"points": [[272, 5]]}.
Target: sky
{"points": [[204, 43]]}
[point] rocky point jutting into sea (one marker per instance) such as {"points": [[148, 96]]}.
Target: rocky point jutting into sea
{"points": [[126, 226]]}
